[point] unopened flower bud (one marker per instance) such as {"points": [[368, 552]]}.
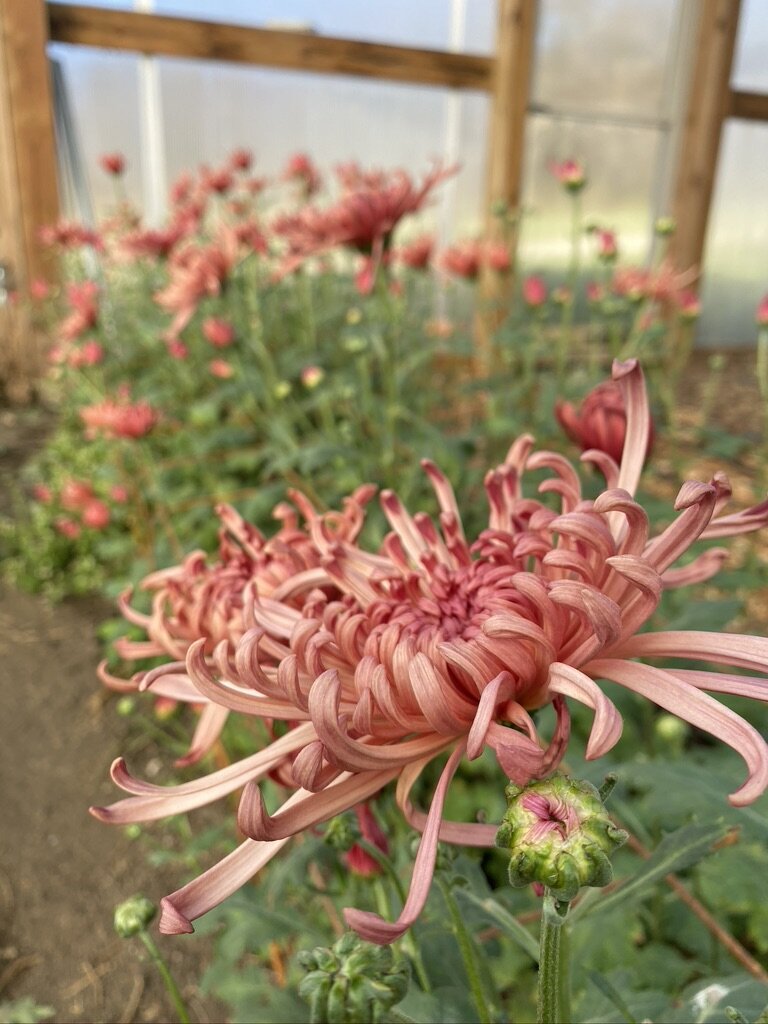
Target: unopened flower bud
{"points": [[311, 376], [282, 389], [559, 835], [340, 833], [353, 982], [354, 316], [665, 226], [133, 916]]}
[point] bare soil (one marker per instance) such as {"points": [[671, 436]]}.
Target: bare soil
{"points": [[61, 872]]}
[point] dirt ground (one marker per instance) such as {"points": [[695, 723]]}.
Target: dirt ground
{"points": [[61, 872]]}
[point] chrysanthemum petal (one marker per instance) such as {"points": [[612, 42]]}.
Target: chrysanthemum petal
{"points": [[690, 704], [632, 382], [607, 726], [375, 929]]}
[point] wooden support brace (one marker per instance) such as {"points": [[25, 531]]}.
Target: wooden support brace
{"points": [[709, 103], [28, 189], [510, 99]]}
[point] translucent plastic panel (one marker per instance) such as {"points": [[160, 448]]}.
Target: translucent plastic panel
{"points": [[209, 109], [102, 90], [401, 22], [750, 67], [605, 56], [620, 194], [736, 258]]}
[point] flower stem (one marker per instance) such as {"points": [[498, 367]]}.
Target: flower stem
{"points": [[168, 980], [554, 999], [468, 954]]}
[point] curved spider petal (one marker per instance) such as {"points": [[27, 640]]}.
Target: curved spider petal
{"points": [[608, 725], [375, 929], [701, 710]]}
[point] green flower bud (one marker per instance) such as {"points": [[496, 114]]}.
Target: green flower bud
{"points": [[282, 389], [665, 226], [559, 835], [341, 833], [133, 916], [354, 982]]}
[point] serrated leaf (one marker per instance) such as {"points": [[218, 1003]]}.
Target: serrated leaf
{"points": [[681, 849]]}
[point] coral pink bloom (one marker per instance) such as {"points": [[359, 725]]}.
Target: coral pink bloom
{"points": [[219, 181], [119, 418], [196, 272], [302, 170], [221, 368], [661, 284], [95, 514], [218, 332], [464, 259], [177, 349], [112, 163], [67, 528], [497, 256], [75, 493], [69, 235], [570, 174], [435, 646], [688, 304], [241, 160], [607, 245], [84, 310], [358, 860], [761, 314], [534, 291], [600, 423], [118, 494], [42, 493], [416, 254], [363, 220], [151, 243], [39, 289], [91, 353]]}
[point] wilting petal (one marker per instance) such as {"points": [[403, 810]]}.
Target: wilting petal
{"points": [[607, 726], [373, 928], [701, 710]]}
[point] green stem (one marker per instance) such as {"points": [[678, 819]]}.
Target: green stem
{"points": [[468, 954], [171, 987], [553, 1001]]}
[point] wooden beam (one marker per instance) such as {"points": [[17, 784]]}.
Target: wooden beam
{"points": [[298, 51], [510, 100], [709, 101], [749, 106], [29, 193]]}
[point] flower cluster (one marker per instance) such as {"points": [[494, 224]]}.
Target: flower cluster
{"points": [[436, 646]]}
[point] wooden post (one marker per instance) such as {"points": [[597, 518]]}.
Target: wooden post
{"points": [[28, 189], [510, 99], [709, 103]]}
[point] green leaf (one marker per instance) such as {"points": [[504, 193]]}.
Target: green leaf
{"points": [[506, 921], [681, 849]]}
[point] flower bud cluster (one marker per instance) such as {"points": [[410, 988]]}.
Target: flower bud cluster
{"points": [[353, 982]]}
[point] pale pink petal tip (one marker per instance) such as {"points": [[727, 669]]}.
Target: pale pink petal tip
{"points": [[171, 921]]}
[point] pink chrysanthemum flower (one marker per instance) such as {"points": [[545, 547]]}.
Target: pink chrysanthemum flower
{"points": [[600, 422], [362, 219], [119, 418], [197, 600], [435, 645]]}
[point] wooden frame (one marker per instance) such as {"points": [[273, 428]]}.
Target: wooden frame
{"points": [[157, 35], [28, 188], [710, 101]]}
